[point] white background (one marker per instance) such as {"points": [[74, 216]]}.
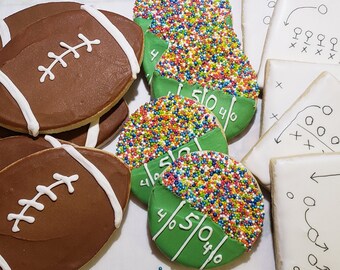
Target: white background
{"points": [[130, 248]]}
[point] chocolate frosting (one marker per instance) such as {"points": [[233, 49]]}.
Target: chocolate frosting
{"points": [[68, 232], [84, 90], [109, 123], [18, 21]]}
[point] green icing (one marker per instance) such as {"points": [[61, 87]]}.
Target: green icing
{"points": [[154, 47], [144, 177], [234, 113], [206, 243], [244, 108]]}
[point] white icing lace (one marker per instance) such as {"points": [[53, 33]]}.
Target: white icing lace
{"points": [[3, 264], [92, 134], [42, 190], [4, 33], [32, 123], [117, 35], [96, 173], [59, 58]]}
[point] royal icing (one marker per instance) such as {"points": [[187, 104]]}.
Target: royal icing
{"points": [[256, 16], [303, 30], [59, 58], [92, 134], [96, 173], [3, 264], [4, 33], [42, 190], [285, 82], [32, 123], [307, 127], [304, 194], [117, 35]]}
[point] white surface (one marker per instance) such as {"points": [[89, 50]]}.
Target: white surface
{"points": [[285, 82], [306, 224], [256, 16], [307, 127], [131, 247], [303, 30]]}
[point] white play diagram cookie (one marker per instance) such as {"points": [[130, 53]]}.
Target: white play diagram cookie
{"points": [[303, 30], [305, 195], [309, 126], [256, 16], [285, 81]]}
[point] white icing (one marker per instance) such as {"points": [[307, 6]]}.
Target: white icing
{"points": [[4, 33], [42, 190], [309, 126], [285, 82], [92, 134], [59, 58], [304, 211], [256, 16], [96, 173], [117, 35], [231, 115], [303, 30], [3, 264], [32, 123], [212, 254], [187, 240], [165, 225]]}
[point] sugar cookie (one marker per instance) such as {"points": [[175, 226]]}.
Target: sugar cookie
{"points": [[308, 126], [206, 210], [48, 87], [304, 194], [192, 51], [161, 131], [45, 204]]}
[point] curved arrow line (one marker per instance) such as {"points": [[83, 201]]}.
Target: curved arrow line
{"points": [[277, 140], [313, 176], [290, 14], [324, 246]]}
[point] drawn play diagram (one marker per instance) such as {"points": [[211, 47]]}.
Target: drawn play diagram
{"points": [[308, 126], [285, 82], [311, 240], [303, 31], [255, 27]]}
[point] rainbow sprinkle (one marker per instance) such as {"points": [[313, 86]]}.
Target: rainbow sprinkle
{"points": [[203, 49], [161, 125], [222, 188]]}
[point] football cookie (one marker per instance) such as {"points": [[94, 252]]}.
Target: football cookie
{"points": [[60, 206], [161, 131], [17, 22], [95, 134], [306, 222], [310, 125], [206, 210], [66, 70], [192, 51]]}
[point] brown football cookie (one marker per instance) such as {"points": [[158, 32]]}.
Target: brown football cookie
{"points": [[48, 217], [66, 70], [97, 136], [17, 22]]}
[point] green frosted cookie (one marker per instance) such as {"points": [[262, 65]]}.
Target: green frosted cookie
{"points": [[191, 50], [206, 211], [161, 131]]}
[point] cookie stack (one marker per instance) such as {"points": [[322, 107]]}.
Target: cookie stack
{"points": [[64, 69], [299, 147], [69, 83]]}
